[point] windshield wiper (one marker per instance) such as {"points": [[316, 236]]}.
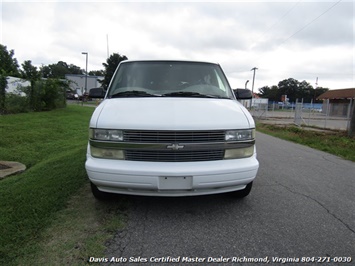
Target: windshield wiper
{"points": [[190, 94], [134, 94]]}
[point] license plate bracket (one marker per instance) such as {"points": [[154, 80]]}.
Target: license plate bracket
{"points": [[175, 182]]}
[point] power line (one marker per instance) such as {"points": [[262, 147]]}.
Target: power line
{"points": [[305, 26], [277, 22], [309, 23]]}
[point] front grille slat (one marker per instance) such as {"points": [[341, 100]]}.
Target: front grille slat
{"points": [[173, 136], [174, 156]]}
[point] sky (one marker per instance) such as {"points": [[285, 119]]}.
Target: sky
{"points": [[300, 39]]}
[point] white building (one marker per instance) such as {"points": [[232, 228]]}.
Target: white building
{"points": [[77, 82], [16, 85], [255, 102]]}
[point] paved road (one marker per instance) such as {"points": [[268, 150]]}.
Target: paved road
{"points": [[302, 205]]}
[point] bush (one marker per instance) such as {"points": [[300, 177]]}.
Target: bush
{"points": [[53, 95], [43, 95], [3, 84], [16, 104]]}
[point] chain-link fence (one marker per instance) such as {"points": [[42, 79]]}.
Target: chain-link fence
{"points": [[324, 116]]}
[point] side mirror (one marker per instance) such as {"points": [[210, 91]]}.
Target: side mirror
{"points": [[242, 94], [97, 93]]}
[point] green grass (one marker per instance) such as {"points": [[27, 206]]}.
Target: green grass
{"points": [[78, 232], [32, 204], [337, 143]]}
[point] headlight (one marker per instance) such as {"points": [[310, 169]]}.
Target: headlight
{"points": [[239, 153], [240, 135], [106, 134], [107, 153]]}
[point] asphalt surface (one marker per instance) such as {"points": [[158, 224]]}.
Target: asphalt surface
{"points": [[301, 207]]}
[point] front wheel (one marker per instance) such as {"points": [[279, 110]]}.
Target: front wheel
{"points": [[242, 193], [99, 195]]}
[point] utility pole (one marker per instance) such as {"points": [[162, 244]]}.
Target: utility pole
{"points": [[86, 79], [86, 71]]}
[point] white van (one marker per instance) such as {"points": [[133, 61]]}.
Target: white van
{"points": [[171, 128]]}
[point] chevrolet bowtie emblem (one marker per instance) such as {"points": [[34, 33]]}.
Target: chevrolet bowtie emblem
{"points": [[175, 147]]}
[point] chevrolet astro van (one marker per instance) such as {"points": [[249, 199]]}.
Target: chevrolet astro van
{"points": [[171, 128]]}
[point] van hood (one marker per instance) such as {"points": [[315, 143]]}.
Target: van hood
{"points": [[171, 114]]}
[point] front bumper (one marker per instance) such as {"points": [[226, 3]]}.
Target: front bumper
{"points": [[171, 179]]}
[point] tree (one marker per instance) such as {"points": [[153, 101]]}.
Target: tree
{"points": [[270, 93], [59, 70], [9, 65], [30, 73], [264, 91], [73, 69], [96, 73], [43, 94], [110, 67], [289, 87], [318, 91], [305, 91], [3, 84], [51, 93], [293, 89]]}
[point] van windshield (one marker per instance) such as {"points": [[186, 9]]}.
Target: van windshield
{"points": [[169, 79]]}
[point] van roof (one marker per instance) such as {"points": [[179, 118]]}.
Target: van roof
{"points": [[167, 60]]}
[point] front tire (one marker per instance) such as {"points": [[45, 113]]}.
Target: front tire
{"points": [[99, 195], [239, 194]]}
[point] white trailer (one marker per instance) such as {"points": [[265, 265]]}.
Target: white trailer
{"points": [[16, 85]]}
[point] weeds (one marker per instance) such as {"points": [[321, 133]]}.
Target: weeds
{"points": [[337, 143]]}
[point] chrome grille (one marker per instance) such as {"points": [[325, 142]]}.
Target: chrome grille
{"points": [[137, 136], [174, 156]]}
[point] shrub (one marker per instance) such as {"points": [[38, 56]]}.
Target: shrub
{"points": [[16, 104], [43, 95]]}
